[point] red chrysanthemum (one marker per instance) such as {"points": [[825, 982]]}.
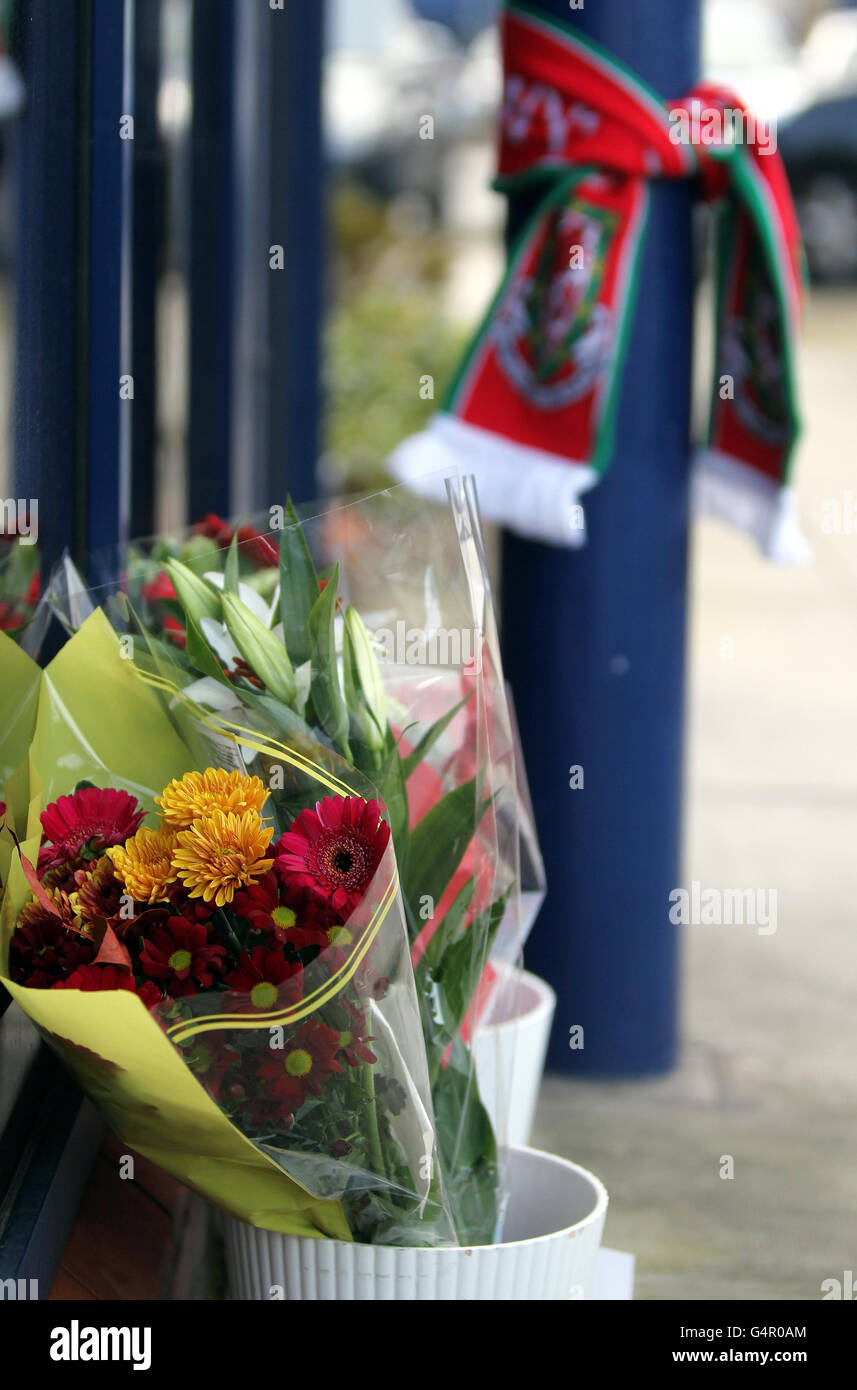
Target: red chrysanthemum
{"points": [[43, 951], [213, 1059], [303, 1065], [267, 977], [334, 850], [353, 1042], [290, 918], [93, 818], [99, 977], [273, 1115], [180, 956], [149, 992], [368, 983], [98, 892], [194, 909]]}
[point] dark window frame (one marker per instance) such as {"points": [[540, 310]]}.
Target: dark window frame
{"points": [[89, 213]]}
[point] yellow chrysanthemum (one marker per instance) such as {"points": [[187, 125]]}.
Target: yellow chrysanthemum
{"points": [[198, 794], [221, 853], [144, 863]]}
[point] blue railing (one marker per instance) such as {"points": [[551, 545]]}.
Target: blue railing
{"points": [[93, 235]]}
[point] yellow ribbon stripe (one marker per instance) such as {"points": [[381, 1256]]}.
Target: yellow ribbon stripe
{"points": [[179, 1033]]}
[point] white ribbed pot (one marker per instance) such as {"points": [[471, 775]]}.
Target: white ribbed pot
{"points": [[509, 1048], [553, 1230]]}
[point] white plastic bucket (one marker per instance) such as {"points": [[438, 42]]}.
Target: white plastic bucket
{"points": [[510, 1048], [553, 1231]]}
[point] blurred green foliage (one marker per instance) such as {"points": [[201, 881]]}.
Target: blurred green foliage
{"points": [[387, 330]]}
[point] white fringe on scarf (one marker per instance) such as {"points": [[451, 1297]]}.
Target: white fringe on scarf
{"points": [[537, 494]]}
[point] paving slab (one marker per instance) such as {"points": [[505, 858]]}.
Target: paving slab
{"points": [[769, 1069]]}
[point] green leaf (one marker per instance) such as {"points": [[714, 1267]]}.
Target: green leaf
{"points": [[298, 588], [364, 689], [366, 738], [264, 652], [391, 788], [330, 708], [200, 655], [467, 1149], [231, 568], [446, 932], [463, 960], [198, 598], [412, 760], [438, 843]]}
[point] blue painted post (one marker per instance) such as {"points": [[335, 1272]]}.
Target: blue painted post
{"points": [[149, 188], [210, 260], [72, 427], [49, 415], [111, 103], [594, 643], [279, 240], [296, 223]]}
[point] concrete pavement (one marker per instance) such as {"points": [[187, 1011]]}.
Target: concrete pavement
{"points": [[769, 1072]]}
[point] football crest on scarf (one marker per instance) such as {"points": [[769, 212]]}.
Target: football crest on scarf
{"points": [[553, 338], [752, 354]]}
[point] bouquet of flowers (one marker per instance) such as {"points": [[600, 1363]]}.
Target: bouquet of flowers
{"points": [[229, 980], [369, 670]]}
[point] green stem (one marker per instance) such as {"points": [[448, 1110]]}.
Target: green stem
{"points": [[374, 1128], [230, 930]]}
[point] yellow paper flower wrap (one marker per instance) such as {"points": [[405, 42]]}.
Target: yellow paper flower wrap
{"points": [[92, 718]]}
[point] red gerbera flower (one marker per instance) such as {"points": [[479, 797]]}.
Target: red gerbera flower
{"points": [[335, 850], [93, 818], [267, 977], [179, 955]]}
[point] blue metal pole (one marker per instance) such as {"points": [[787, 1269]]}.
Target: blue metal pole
{"points": [[594, 643], [210, 259], [148, 155], [50, 382], [110, 231], [296, 223]]}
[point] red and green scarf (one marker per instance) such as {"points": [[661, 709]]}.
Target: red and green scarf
{"points": [[532, 409]]}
